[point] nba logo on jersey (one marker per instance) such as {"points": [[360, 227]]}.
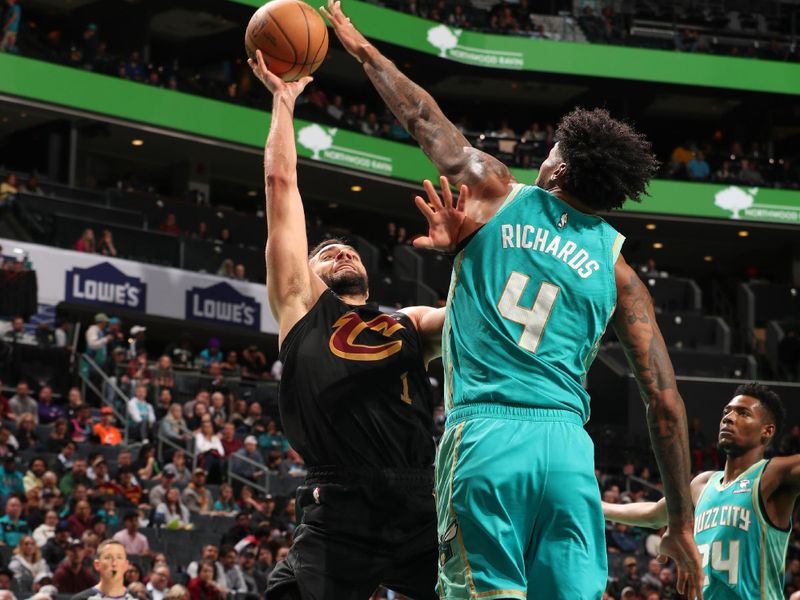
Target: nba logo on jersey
{"points": [[744, 487], [562, 222]]}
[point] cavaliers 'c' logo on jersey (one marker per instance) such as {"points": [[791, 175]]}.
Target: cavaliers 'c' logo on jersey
{"points": [[347, 329]]}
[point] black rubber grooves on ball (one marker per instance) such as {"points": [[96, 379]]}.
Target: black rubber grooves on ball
{"points": [[308, 37], [321, 44], [288, 41]]}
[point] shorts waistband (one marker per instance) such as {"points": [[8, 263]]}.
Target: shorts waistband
{"points": [[402, 476], [519, 413]]}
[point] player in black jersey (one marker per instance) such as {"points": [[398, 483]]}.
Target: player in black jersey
{"points": [[355, 401]]}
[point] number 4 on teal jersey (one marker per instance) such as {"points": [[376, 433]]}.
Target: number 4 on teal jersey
{"points": [[534, 319]]}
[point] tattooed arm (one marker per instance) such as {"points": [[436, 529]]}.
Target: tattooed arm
{"points": [[418, 112], [636, 327]]}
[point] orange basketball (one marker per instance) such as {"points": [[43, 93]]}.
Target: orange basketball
{"points": [[291, 35]]}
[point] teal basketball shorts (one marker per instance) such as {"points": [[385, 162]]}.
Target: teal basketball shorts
{"points": [[518, 506]]}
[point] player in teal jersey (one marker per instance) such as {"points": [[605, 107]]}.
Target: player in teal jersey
{"points": [[536, 281], [743, 514]]}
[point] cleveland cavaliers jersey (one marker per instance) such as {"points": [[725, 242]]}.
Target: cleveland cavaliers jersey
{"points": [[355, 392]]}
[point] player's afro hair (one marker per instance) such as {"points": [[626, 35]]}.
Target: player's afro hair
{"points": [[770, 400], [607, 160]]}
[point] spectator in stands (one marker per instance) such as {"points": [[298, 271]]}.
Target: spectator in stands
{"points": [[47, 411], [158, 582], [55, 549], [76, 476], [133, 68], [86, 243], [32, 508], [245, 468], [109, 511], [36, 469], [218, 413], [72, 576], [620, 539], [47, 530], [81, 519], [254, 363], [226, 503], [226, 268], [27, 564], [26, 431], [209, 555], [21, 402], [272, 439], [137, 351], [668, 590], [170, 225], [163, 375], [12, 526], [230, 366], [234, 578], [697, 168], [748, 174], [58, 437], [172, 513], [106, 246], [211, 353], [196, 496], [127, 488], [203, 586], [230, 443], [135, 543], [5, 409], [159, 491], [148, 466], [141, 417], [106, 432], [201, 233], [124, 461], [224, 236], [209, 449], [173, 426], [8, 190], [11, 480], [81, 426], [650, 580], [263, 567], [182, 353], [179, 469], [96, 340], [65, 458], [239, 272], [177, 592], [163, 402]]}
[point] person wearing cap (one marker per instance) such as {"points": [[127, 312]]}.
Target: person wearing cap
{"points": [[12, 526], [196, 496], [243, 459], [54, 551], [97, 339], [111, 562], [72, 576], [630, 576], [11, 480], [159, 491], [117, 336], [210, 354], [105, 430], [27, 564]]}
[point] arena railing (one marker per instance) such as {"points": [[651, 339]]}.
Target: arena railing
{"points": [[188, 446], [260, 484], [107, 391]]}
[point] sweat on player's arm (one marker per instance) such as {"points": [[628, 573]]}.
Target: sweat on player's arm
{"points": [[421, 116]]}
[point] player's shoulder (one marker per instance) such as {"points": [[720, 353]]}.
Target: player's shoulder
{"points": [[699, 483]]}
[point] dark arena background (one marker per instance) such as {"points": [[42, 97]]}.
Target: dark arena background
{"points": [[132, 210]]}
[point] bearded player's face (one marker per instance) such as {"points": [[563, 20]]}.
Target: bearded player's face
{"points": [[340, 268]]}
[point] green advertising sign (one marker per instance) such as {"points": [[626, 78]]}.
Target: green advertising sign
{"points": [[138, 103], [570, 58]]}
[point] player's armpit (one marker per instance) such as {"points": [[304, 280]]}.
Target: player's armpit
{"points": [[429, 322], [638, 514], [636, 327]]}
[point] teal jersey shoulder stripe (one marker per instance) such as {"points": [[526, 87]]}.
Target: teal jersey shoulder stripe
{"points": [[530, 296], [743, 554]]}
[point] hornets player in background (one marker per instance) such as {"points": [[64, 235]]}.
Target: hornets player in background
{"points": [[743, 514], [537, 278], [355, 402]]}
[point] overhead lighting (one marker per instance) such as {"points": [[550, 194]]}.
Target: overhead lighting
{"points": [[708, 258], [650, 226], [355, 188], [252, 193], [658, 245], [137, 142], [744, 233]]}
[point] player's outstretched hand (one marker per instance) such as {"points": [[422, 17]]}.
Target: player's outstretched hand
{"points": [[445, 220], [681, 548], [351, 38], [274, 83]]}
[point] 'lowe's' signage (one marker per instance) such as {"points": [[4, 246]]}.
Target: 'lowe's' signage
{"points": [[106, 285], [222, 304]]}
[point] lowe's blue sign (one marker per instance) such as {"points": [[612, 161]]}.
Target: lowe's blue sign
{"points": [[105, 285], [222, 304]]}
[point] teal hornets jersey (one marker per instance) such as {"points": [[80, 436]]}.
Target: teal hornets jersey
{"points": [[530, 297], [743, 553]]}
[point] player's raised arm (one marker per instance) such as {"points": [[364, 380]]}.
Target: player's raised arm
{"points": [[291, 286], [418, 112], [637, 514], [636, 327]]}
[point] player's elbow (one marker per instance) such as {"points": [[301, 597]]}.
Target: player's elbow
{"points": [[279, 179]]}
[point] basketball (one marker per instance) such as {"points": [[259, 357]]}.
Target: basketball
{"points": [[291, 35]]}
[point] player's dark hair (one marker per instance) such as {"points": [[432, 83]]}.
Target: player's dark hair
{"points": [[770, 400], [327, 242], [607, 160]]}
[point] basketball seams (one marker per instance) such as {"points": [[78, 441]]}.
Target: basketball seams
{"points": [[301, 7], [288, 41], [324, 42]]}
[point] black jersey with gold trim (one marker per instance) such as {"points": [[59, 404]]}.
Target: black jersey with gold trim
{"points": [[355, 392]]}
